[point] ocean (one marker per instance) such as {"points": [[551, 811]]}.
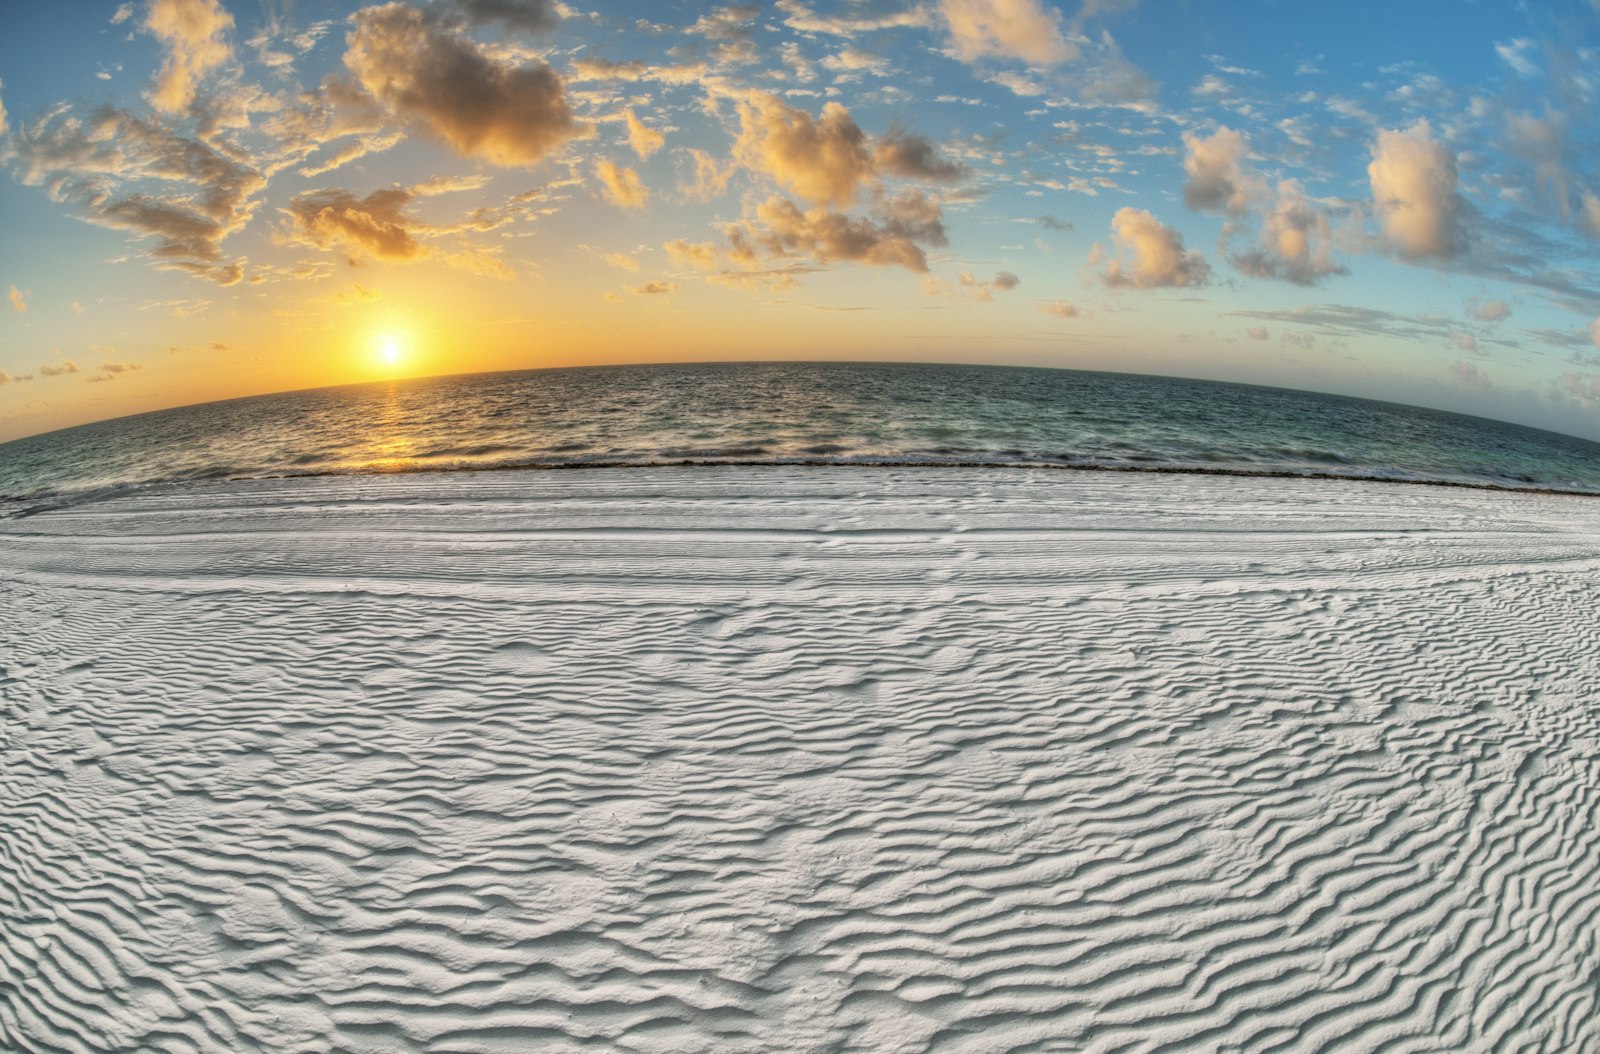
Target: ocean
{"points": [[792, 413]]}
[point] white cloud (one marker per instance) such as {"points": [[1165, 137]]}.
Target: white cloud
{"points": [[192, 31], [1159, 258], [645, 141], [1296, 241], [798, 16], [1413, 179], [823, 160], [702, 255], [852, 60], [1217, 179], [1011, 29], [19, 299], [623, 187], [1518, 54]]}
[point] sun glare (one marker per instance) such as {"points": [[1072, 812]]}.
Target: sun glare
{"points": [[390, 349]]}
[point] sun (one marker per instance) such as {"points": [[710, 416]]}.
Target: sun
{"points": [[390, 349]]}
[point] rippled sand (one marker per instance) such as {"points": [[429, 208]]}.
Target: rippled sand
{"points": [[801, 760]]}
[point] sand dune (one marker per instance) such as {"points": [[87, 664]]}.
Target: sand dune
{"points": [[801, 760]]}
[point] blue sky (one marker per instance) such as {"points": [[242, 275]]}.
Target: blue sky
{"points": [[204, 200]]}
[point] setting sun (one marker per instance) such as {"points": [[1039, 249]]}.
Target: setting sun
{"points": [[390, 350]]}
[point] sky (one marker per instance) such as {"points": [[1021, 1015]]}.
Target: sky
{"points": [[205, 200]]}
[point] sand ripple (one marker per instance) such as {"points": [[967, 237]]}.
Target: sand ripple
{"points": [[800, 760]]}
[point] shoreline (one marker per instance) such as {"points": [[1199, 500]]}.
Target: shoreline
{"points": [[33, 503]]}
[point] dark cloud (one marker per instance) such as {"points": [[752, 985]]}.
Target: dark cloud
{"points": [[901, 153], [432, 77], [374, 227], [534, 16], [136, 175], [895, 235]]}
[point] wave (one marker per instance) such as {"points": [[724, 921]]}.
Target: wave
{"points": [[50, 498]]}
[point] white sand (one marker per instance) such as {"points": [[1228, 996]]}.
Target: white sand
{"points": [[801, 760]]}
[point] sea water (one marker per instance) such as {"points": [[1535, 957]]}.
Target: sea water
{"points": [[787, 413]]}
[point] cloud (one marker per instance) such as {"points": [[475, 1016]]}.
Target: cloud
{"points": [[1217, 180], [1590, 215], [645, 141], [1003, 281], [1159, 259], [1594, 332], [693, 254], [1050, 223], [1009, 29], [1584, 387], [3, 124], [1343, 320], [19, 299], [606, 70], [852, 60], [1517, 54], [731, 27], [439, 80], [192, 32], [534, 16], [903, 224], [9, 378], [1296, 241], [1413, 179], [1059, 308], [1469, 376], [110, 371], [355, 293], [373, 227], [768, 278], [654, 288], [623, 187], [1465, 341], [1541, 143], [823, 160], [901, 153], [1257, 333], [1488, 310], [828, 159], [131, 174], [51, 370], [710, 177], [803, 19], [621, 261]]}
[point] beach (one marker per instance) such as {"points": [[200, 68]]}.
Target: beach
{"points": [[800, 759]]}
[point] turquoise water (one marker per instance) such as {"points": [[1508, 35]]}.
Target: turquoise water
{"points": [[849, 413]]}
